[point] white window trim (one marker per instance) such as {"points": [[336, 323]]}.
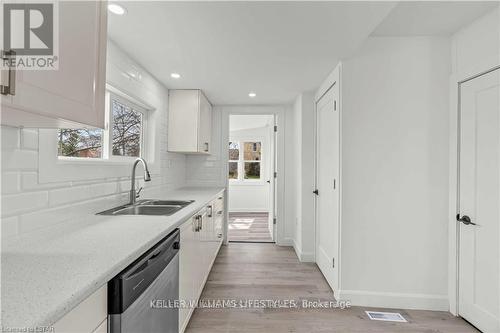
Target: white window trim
{"points": [[241, 163], [53, 168]]}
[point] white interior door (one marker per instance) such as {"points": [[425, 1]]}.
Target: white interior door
{"points": [[479, 201], [327, 176], [272, 182]]}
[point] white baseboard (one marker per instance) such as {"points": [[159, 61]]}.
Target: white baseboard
{"points": [[307, 257], [394, 300], [285, 242], [303, 256]]}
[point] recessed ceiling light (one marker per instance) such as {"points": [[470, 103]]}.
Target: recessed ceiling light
{"points": [[116, 9], [175, 75], [252, 94]]}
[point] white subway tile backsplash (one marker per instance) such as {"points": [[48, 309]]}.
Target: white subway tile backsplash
{"points": [[29, 181], [67, 213], [10, 137], [103, 189], [29, 139], [13, 204], [19, 159], [68, 195], [9, 227], [10, 182]]}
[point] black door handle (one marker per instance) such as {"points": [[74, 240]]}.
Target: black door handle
{"points": [[465, 220], [316, 192]]}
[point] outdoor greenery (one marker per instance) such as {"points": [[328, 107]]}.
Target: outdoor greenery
{"points": [[80, 143], [126, 136], [127, 127]]}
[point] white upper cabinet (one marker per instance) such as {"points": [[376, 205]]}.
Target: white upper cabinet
{"points": [[189, 122], [72, 95]]}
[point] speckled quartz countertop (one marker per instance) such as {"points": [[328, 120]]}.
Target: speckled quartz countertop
{"points": [[43, 278]]}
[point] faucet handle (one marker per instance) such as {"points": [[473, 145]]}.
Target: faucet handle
{"points": [[138, 192]]}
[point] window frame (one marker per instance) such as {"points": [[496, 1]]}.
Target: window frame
{"points": [[109, 128], [107, 134], [68, 169], [238, 171], [241, 180]]}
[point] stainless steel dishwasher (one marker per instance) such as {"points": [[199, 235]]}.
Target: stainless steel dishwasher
{"points": [[141, 298]]}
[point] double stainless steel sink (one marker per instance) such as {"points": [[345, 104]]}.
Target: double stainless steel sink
{"points": [[149, 207]]}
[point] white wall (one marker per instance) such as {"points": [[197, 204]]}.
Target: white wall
{"points": [[395, 173], [304, 138], [28, 205], [252, 196], [475, 49]]}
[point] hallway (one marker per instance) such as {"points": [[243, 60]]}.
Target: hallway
{"points": [[267, 271]]}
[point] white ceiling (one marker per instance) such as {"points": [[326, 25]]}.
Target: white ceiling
{"points": [[277, 49], [432, 17], [241, 122]]}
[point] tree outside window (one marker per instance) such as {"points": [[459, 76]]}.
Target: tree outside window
{"points": [[126, 124]]}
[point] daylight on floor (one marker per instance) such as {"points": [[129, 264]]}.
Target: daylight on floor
{"points": [[250, 166]]}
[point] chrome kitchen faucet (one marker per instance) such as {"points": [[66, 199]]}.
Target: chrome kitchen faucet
{"points": [[147, 178]]}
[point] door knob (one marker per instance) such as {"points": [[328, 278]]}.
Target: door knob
{"points": [[465, 220], [316, 192]]}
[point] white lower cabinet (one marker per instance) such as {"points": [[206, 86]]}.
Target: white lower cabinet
{"points": [[87, 317], [200, 243], [201, 238]]}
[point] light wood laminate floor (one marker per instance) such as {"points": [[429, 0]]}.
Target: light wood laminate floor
{"points": [[249, 227], [267, 271]]}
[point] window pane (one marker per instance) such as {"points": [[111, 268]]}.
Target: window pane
{"points": [[233, 170], [80, 143], [234, 151], [127, 129], [252, 170], [252, 151]]}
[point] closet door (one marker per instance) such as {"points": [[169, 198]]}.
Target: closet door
{"points": [[327, 187], [479, 202]]}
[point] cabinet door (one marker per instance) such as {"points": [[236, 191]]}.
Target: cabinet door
{"points": [[187, 269], [203, 249], [183, 119], [75, 92], [205, 125]]}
